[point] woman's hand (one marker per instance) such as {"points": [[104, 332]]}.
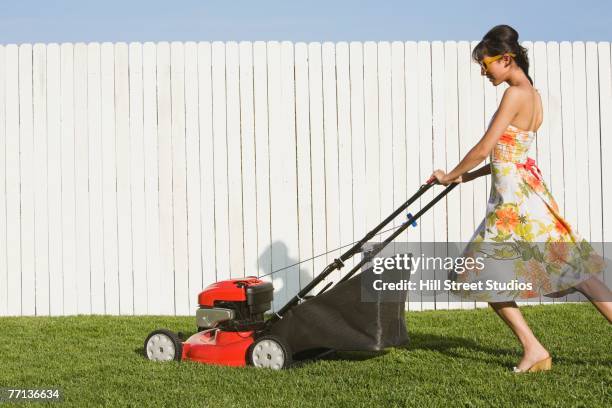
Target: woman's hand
{"points": [[441, 178]]}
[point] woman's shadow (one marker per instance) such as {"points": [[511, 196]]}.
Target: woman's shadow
{"points": [[286, 273]]}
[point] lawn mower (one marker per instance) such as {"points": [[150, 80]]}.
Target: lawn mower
{"points": [[232, 329]]}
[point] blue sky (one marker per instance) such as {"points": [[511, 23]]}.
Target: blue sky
{"points": [[28, 21]]}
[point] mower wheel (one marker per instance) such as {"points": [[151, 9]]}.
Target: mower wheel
{"points": [[269, 351], [163, 345]]}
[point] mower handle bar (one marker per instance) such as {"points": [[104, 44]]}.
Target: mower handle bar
{"points": [[338, 263]]}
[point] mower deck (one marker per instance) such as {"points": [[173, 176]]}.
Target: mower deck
{"points": [[215, 346]]}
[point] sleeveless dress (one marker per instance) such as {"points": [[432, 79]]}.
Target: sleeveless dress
{"points": [[524, 243]]}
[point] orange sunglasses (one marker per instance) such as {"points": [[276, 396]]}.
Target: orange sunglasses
{"points": [[488, 60]]}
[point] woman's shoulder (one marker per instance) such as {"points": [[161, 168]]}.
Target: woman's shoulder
{"points": [[520, 90], [517, 95]]}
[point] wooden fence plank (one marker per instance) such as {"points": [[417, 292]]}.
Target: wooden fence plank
{"points": [[385, 129], [372, 132], [356, 94], [54, 123], [68, 177], [593, 130], [26, 156], [568, 95], [109, 180], [155, 303], [453, 200], [289, 167], [207, 167], [4, 290], [41, 233], [262, 153], [398, 130], [81, 165], [543, 136], [413, 169], [555, 125], [330, 131], [94, 136], [192, 155], [164, 140], [124, 199], [137, 180], [249, 163], [220, 161], [317, 151], [385, 138], [179, 178], [304, 176], [13, 176], [234, 160], [426, 151], [345, 157], [279, 246], [440, 160]]}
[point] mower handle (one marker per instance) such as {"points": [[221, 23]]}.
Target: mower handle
{"points": [[338, 263], [401, 229]]}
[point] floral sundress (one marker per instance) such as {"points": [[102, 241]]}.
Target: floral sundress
{"points": [[523, 239]]}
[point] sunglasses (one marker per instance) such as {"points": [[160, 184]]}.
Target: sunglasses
{"points": [[488, 60]]}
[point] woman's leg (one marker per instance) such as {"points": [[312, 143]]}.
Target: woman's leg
{"points": [[599, 295], [533, 351]]}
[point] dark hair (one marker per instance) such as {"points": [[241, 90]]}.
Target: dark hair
{"points": [[499, 40]]}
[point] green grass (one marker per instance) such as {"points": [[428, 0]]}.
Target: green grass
{"points": [[457, 358]]}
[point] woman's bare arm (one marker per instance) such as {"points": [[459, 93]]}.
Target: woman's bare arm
{"points": [[508, 108]]}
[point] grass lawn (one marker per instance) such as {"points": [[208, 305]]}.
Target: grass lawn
{"points": [[456, 358]]}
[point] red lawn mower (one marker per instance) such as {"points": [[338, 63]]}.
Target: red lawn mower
{"points": [[232, 330]]}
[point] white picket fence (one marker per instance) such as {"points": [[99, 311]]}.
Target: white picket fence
{"points": [[135, 174]]}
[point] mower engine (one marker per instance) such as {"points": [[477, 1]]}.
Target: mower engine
{"points": [[234, 305]]}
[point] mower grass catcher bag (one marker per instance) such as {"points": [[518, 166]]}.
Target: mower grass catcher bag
{"points": [[351, 316]]}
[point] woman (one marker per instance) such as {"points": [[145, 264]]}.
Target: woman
{"points": [[520, 201]]}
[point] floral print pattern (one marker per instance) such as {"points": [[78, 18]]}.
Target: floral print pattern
{"points": [[523, 237]]}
